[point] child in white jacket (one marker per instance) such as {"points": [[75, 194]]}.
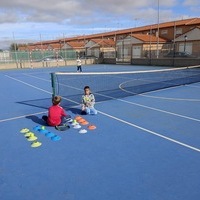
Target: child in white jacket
{"points": [[88, 101]]}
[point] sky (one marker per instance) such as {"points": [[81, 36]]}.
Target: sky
{"points": [[36, 20]]}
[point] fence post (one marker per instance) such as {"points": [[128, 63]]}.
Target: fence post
{"points": [[31, 60]]}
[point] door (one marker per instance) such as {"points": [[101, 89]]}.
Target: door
{"points": [[136, 53]]}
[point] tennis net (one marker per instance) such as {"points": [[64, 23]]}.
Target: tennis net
{"points": [[113, 85]]}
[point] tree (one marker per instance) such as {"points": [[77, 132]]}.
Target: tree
{"points": [[13, 47]]}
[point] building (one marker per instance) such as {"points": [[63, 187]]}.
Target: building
{"points": [[152, 41]]}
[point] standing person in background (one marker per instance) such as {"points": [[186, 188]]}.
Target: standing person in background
{"points": [[79, 67]]}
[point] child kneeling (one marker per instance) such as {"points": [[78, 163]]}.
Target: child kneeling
{"points": [[88, 101]]}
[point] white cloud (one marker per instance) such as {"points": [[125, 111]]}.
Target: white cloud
{"points": [[77, 10], [191, 3], [28, 19], [193, 7]]}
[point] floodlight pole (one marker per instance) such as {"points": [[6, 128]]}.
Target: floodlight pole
{"points": [[15, 50], [41, 50], [150, 35], [185, 42], [174, 40], [158, 18]]}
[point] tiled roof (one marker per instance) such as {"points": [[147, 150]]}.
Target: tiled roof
{"points": [[48, 42], [138, 30], [147, 38], [192, 21], [55, 45], [22, 48], [76, 44], [104, 42], [28, 47]]}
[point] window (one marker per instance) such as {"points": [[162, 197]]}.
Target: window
{"points": [[164, 32], [179, 31]]}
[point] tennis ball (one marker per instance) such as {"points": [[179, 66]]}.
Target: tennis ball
{"points": [[74, 121], [43, 127]]}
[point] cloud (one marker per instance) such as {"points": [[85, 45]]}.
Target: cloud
{"points": [[74, 11], [41, 11], [29, 19], [193, 6], [191, 3], [8, 17]]}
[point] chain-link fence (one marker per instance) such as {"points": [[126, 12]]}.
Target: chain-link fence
{"points": [[22, 59], [35, 56], [126, 52], [123, 51]]}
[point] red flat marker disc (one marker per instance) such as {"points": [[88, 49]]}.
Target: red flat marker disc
{"points": [[91, 127], [84, 122]]}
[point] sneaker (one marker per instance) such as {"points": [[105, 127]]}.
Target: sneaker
{"points": [[63, 127], [44, 118], [69, 120], [83, 113]]}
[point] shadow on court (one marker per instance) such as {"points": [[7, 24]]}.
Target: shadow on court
{"points": [[38, 103], [76, 111], [36, 119]]}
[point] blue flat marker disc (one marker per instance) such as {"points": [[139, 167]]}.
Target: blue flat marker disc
{"points": [[43, 131], [55, 138], [49, 134], [36, 128]]}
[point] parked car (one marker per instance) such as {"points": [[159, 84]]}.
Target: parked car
{"points": [[89, 57], [51, 58], [179, 54]]}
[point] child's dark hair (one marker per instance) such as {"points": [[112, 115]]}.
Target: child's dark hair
{"points": [[86, 87], [56, 100]]}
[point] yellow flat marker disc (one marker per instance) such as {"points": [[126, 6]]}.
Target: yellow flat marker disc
{"points": [[32, 138], [24, 130], [28, 134], [36, 144]]}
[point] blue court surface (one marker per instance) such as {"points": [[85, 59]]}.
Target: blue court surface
{"points": [[144, 147]]}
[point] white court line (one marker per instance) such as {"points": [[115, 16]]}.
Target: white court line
{"points": [[151, 132], [151, 108], [28, 84], [140, 105], [22, 116], [144, 94], [193, 86], [165, 98], [36, 87], [170, 98], [159, 110], [123, 121]]}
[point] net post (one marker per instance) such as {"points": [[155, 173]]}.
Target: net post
{"points": [[53, 84]]}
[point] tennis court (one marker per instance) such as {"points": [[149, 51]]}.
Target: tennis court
{"points": [[145, 146]]}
